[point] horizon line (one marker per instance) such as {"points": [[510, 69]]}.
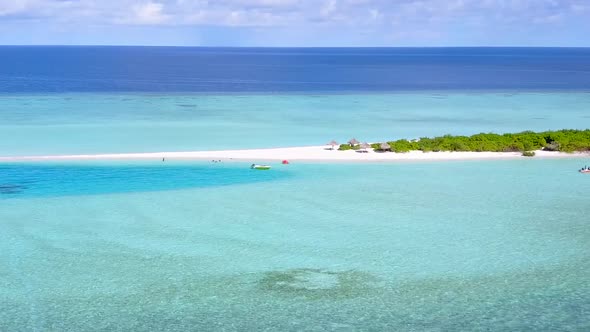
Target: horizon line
{"points": [[262, 47]]}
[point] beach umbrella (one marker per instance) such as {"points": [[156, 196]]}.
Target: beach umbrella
{"points": [[385, 146], [353, 142], [333, 143], [365, 146]]}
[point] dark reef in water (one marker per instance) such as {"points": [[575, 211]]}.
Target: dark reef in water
{"points": [[8, 189], [318, 283]]}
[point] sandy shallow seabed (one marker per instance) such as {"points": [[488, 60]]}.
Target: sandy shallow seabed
{"points": [[309, 153]]}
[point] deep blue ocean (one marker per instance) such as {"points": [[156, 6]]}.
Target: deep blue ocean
{"points": [[47, 69]]}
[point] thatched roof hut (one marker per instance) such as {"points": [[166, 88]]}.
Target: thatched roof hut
{"points": [[353, 141], [332, 143], [365, 146], [385, 146]]}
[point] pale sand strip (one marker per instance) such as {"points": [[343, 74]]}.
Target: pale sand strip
{"points": [[311, 153]]}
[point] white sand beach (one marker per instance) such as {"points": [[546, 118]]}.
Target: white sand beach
{"points": [[309, 153]]}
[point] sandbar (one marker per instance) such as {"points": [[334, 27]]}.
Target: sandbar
{"points": [[308, 153]]}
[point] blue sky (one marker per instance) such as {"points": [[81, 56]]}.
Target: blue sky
{"points": [[296, 22]]}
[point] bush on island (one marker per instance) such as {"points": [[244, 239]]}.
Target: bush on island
{"points": [[566, 140], [528, 154], [402, 146], [344, 147]]}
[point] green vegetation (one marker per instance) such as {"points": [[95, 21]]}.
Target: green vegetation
{"points": [[528, 154], [566, 140], [344, 147]]}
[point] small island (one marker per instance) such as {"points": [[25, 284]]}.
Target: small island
{"points": [[549, 144], [566, 140]]}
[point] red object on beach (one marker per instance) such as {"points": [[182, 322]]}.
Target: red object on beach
{"points": [[285, 162]]}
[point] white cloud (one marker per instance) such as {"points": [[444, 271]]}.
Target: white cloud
{"points": [[11, 7], [329, 8], [149, 13], [296, 13], [580, 8], [248, 18], [548, 19], [265, 3], [375, 14]]}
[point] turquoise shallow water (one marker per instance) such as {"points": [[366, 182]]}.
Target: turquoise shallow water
{"points": [[471, 246], [102, 123]]}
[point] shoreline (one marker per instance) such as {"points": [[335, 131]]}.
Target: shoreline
{"points": [[309, 154]]}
